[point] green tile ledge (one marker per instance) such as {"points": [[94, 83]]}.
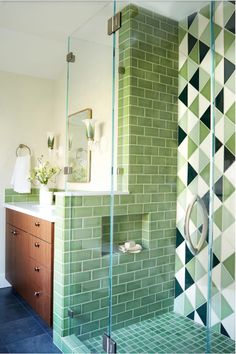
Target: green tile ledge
{"points": [[47, 213], [71, 344]]}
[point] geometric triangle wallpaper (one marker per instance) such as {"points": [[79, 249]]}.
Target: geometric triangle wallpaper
{"points": [[194, 152]]}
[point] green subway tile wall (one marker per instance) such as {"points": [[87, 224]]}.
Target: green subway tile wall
{"points": [[143, 284], [194, 156], [11, 196]]}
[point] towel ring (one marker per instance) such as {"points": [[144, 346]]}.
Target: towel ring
{"points": [[22, 146]]}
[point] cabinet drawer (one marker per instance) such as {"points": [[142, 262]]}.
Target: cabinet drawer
{"points": [[40, 302], [41, 228], [40, 251], [31, 224], [41, 276], [17, 219]]}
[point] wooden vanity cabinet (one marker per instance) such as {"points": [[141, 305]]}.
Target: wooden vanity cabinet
{"points": [[29, 260]]}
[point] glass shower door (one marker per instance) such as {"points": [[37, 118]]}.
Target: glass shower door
{"points": [[144, 296], [91, 127], [150, 280], [224, 181]]}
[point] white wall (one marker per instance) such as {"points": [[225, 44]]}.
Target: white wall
{"points": [[26, 114], [90, 86], [30, 106]]}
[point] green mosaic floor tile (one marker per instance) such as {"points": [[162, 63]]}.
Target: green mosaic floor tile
{"points": [[168, 333]]}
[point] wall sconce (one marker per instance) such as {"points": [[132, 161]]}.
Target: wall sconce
{"points": [[90, 132], [50, 140]]}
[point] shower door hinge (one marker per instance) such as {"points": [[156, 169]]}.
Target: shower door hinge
{"points": [[114, 23], [70, 313], [119, 171], [68, 170], [70, 58], [108, 344]]}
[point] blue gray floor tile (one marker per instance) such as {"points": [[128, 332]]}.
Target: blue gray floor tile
{"points": [[37, 344], [21, 329]]}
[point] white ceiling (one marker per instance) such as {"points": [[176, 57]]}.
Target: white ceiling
{"points": [[33, 34]]}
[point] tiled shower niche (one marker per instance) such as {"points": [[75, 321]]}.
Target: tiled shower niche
{"points": [[133, 227]]}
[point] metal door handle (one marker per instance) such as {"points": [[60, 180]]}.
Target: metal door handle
{"points": [[196, 249]]}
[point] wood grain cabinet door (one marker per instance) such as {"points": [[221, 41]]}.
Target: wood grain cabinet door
{"points": [[16, 258], [22, 254], [10, 255]]}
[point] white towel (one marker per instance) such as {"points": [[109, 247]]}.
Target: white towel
{"points": [[19, 181]]}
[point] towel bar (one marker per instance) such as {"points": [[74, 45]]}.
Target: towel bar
{"points": [[22, 146]]}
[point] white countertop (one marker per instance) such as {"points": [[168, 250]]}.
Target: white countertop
{"points": [[33, 209], [87, 193], [49, 212]]}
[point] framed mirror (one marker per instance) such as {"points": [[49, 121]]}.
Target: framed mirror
{"points": [[79, 155]]}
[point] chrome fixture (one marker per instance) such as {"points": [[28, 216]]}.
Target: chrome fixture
{"points": [[196, 249]]}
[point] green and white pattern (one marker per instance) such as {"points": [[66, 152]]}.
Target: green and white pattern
{"points": [[194, 156]]}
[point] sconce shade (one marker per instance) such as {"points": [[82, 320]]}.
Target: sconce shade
{"points": [[90, 128], [50, 140]]}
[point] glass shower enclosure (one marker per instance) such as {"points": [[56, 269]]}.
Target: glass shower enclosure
{"points": [[149, 258]]}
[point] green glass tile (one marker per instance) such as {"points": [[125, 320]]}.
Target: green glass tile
{"points": [[91, 264], [204, 132], [99, 314], [205, 11], [193, 29], [229, 264], [200, 299], [90, 306], [141, 311], [228, 11], [226, 310], [229, 38], [124, 316], [231, 113], [194, 54], [228, 188], [126, 278], [228, 218], [206, 90], [75, 201], [226, 278], [191, 147], [89, 327]]}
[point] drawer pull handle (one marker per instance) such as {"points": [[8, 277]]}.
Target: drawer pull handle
{"points": [[14, 232], [36, 244], [36, 293], [37, 269], [37, 223]]}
